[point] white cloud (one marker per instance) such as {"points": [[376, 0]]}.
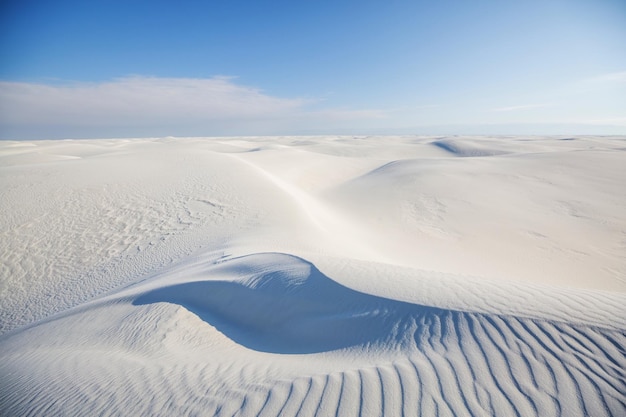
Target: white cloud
{"points": [[521, 107], [150, 106], [610, 121], [608, 78], [136, 101], [347, 114]]}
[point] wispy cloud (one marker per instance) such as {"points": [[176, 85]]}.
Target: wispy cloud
{"points": [[159, 106], [136, 100], [608, 78], [610, 121], [347, 114], [522, 107]]}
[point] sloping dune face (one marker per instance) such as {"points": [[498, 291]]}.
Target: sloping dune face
{"points": [[343, 276]]}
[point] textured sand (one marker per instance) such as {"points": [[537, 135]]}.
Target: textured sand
{"points": [[313, 276]]}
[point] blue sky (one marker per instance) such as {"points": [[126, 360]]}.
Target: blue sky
{"points": [[200, 68]]}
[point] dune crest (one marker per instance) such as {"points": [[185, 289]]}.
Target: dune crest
{"points": [[294, 310]]}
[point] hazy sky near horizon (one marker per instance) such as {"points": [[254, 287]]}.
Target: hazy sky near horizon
{"points": [[159, 68]]}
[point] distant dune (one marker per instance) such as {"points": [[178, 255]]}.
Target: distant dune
{"points": [[320, 276]]}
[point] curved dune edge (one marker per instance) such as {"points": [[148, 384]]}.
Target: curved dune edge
{"points": [[269, 334]]}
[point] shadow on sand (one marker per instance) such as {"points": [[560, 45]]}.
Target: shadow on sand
{"points": [[283, 304]]}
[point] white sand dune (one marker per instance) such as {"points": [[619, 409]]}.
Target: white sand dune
{"points": [[313, 276]]}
